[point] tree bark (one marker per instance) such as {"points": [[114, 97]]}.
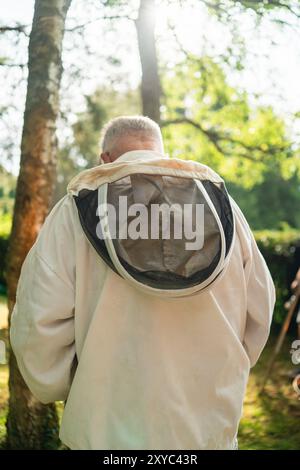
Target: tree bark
{"points": [[150, 86], [31, 425]]}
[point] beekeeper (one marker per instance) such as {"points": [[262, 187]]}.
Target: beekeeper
{"points": [[145, 322]]}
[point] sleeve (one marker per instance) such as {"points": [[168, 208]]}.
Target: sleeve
{"points": [[260, 292], [42, 331]]}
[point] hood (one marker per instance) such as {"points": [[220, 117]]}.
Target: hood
{"points": [[165, 225]]}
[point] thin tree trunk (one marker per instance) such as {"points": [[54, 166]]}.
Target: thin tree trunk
{"points": [[150, 86], [31, 425]]}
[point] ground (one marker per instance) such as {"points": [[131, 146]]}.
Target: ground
{"points": [[270, 420]]}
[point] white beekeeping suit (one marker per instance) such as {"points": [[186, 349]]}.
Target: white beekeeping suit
{"points": [[149, 343]]}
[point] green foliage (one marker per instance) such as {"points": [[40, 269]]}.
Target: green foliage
{"points": [[103, 105], [84, 150], [264, 6], [7, 194], [280, 242], [206, 119], [5, 225], [5, 228], [86, 129], [279, 249], [271, 203], [215, 124]]}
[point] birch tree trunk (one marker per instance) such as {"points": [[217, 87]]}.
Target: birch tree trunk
{"points": [[31, 425]]}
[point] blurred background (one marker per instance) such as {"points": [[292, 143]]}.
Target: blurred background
{"points": [[222, 80]]}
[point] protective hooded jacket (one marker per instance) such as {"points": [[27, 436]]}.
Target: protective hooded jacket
{"points": [[149, 337]]}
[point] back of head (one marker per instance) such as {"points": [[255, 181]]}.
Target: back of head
{"points": [[125, 133]]}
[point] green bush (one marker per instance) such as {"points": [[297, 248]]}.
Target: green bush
{"points": [[281, 250], [5, 224]]}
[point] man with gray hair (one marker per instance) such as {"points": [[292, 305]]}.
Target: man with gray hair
{"points": [[126, 133], [148, 341]]}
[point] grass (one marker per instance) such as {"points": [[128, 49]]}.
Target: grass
{"points": [[270, 421]]}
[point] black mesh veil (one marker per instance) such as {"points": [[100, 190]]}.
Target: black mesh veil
{"points": [[164, 257]]}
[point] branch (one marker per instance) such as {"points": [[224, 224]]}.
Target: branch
{"points": [[17, 29], [83, 25], [278, 4], [218, 7], [272, 3], [212, 136], [217, 138], [3, 64]]}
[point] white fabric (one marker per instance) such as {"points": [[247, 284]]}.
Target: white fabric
{"points": [[140, 161], [153, 373]]}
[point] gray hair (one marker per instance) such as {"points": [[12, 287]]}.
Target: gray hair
{"points": [[130, 125]]}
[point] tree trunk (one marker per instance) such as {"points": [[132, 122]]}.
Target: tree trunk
{"points": [[31, 425], [150, 86]]}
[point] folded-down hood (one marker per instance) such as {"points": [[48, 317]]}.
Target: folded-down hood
{"points": [[165, 225]]}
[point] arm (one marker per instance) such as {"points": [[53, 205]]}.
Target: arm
{"points": [[42, 324], [260, 291]]}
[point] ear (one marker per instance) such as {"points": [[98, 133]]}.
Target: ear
{"points": [[105, 157]]}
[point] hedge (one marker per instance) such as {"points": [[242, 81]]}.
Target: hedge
{"points": [[281, 250]]}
